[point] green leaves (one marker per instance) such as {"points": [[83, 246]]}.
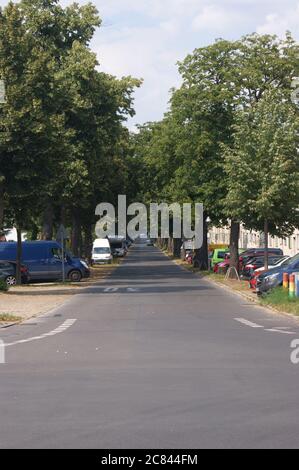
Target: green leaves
{"points": [[263, 165], [62, 123]]}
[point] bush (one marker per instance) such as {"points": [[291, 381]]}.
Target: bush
{"points": [[3, 286]]}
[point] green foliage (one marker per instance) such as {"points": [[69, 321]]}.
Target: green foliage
{"points": [[3, 286], [62, 124], [263, 166]]}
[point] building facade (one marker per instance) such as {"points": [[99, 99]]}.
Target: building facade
{"points": [[252, 239]]}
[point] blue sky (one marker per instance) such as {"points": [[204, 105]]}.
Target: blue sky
{"points": [[145, 38]]}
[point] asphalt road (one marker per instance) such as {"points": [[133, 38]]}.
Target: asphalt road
{"points": [[153, 357]]}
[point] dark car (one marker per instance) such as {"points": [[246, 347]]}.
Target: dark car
{"points": [[247, 255], [8, 271], [255, 263], [274, 278], [44, 261], [118, 247]]}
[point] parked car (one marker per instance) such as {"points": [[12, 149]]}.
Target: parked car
{"points": [[255, 252], [118, 247], [44, 262], [270, 279], [8, 270], [101, 252], [257, 272], [218, 256], [258, 262], [224, 265], [272, 264]]}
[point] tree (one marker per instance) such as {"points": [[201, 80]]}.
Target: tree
{"points": [[263, 167], [62, 123]]}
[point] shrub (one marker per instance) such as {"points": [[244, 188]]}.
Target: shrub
{"points": [[3, 286]]}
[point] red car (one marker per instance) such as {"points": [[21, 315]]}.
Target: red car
{"points": [[223, 265]]}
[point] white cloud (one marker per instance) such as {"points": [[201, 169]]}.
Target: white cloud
{"points": [[279, 23], [217, 19], [145, 38]]}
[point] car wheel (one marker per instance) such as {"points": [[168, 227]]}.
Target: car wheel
{"points": [[75, 276], [11, 280]]}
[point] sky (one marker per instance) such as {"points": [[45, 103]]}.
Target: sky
{"points": [[146, 38]]}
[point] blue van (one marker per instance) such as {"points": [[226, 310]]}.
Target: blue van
{"points": [[43, 260]]}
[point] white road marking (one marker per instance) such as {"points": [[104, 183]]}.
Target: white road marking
{"points": [[248, 323], [111, 289], [67, 324], [131, 289], [276, 330]]}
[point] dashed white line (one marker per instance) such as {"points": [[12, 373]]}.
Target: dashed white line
{"points": [[248, 323], [67, 324], [276, 330], [111, 289]]}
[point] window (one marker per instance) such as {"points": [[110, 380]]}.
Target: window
{"points": [[101, 250]]}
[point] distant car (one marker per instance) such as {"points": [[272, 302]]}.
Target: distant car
{"points": [[258, 262], [101, 252], [118, 247], [149, 242], [218, 255], [224, 265], [256, 252], [8, 271], [274, 278], [128, 242]]}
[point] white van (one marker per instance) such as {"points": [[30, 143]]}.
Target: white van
{"points": [[101, 251]]}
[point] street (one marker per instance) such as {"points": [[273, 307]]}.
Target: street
{"points": [[151, 357]]}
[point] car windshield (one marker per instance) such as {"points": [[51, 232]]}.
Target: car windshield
{"points": [[101, 250], [290, 261], [117, 245]]}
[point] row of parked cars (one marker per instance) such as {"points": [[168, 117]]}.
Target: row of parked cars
{"points": [[42, 260], [251, 267]]}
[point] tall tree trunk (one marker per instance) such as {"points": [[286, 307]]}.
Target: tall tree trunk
{"points": [[88, 242], [234, 244], [170, 245], [266, 233], [76, 233], [177, 243], [19, 256], [201, 257], [1, 206], [48, 217], [63, 215]]}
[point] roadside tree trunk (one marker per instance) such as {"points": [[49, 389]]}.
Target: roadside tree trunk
{"points": [[48, 217], [170, 245], [177, 243], [1, 206], [234, 245], [266, 232], [19, 256], [76, 233], [201, 257], [87, 247]]}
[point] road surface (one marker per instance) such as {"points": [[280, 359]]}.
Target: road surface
{"points": [[152, 357]]}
